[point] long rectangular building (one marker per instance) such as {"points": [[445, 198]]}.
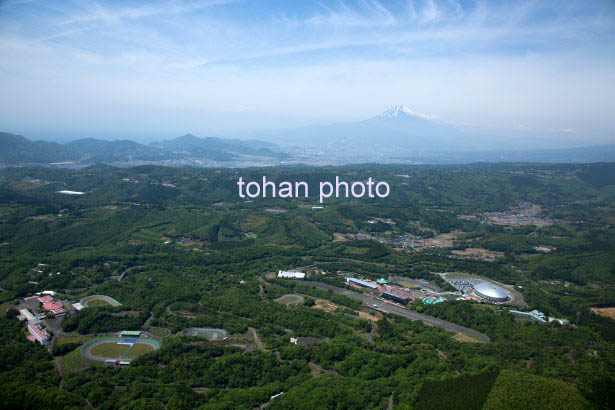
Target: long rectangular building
{"points": [[39, 333], [291, 274], [403, 299], [130, 333], [362, 283]]}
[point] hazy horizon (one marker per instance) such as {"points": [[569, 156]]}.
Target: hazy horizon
{"points": [[155, 70]]}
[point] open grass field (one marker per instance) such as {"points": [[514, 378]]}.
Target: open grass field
{"points": [[73, 339], [113, 348], [80, 338], [209, 334], [409, 285], [147, 236], [98, 302], [139, 350], [287, 299], [75, 361], [109, 350], [160, 331]]}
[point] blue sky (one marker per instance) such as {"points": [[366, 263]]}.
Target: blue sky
{"points": [[122, 69]]}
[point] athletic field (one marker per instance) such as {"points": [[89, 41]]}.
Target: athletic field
{"points": [[118, 348], [209, 334]]}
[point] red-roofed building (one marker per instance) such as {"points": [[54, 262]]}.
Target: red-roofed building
{"points": [[52, 305], [39, 333], [30, 298], [45, 299]]}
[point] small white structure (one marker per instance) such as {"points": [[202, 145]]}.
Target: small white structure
{"points": [[46, 292], [291, 274], [562, 322], [78, 306], [67, 192]]}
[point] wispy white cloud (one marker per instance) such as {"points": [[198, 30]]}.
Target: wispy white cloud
{"points": [[489, 64], [94, 11], [368, 13]]}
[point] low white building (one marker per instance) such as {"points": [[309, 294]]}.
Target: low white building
{"points": [[26, 314], [291, 274], [46, 292]]}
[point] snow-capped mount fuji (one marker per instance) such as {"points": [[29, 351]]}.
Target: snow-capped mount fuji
{"points": [[397, 129], [400, 111]]}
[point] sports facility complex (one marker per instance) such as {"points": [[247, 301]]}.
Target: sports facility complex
{"points": [[118, 350], [210, 334]]}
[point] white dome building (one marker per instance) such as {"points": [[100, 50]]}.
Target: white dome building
{"points": [[491, 292]]}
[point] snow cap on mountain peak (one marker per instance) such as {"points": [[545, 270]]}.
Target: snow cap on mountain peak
{"points": [[399, 111]]}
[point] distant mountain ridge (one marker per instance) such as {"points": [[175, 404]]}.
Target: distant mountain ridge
{"points": [[194, 145], [397, 128], [16, 149], [398, 135]]}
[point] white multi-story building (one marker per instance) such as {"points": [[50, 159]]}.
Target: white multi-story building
{"points": [[291, 274]]}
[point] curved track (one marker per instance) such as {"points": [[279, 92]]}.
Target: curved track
{"points": [[105, 298], [204, 332], [86, 349]]}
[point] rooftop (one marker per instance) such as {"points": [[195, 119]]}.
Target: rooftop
{"points": [[52, 306]]}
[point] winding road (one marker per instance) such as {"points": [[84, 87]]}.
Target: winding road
{"points": [[387, 307]]}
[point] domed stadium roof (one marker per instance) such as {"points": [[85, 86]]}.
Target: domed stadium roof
{"points": [[490, 291]]}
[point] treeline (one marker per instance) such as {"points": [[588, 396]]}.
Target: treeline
{"points": [[27, 374], [103, 319]]}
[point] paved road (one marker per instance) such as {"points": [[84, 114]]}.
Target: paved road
{"points": [[128, 270], [386, 307], [257, 340]]}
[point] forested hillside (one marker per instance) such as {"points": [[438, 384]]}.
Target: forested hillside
{"points": [[179, 249]]}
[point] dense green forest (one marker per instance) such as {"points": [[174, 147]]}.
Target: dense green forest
{"points": [[179, 249]]}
